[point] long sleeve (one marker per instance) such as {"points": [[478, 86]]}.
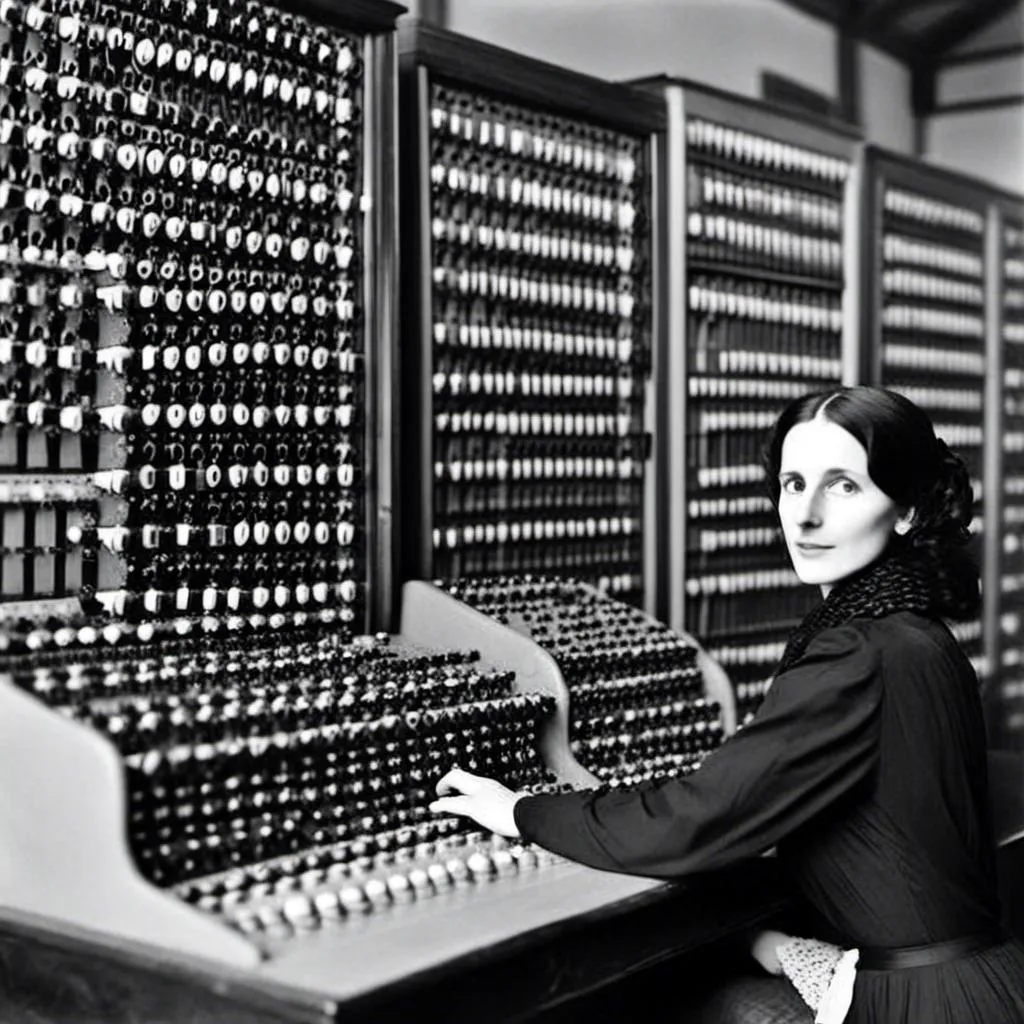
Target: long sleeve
{"points": [[813, 740]]}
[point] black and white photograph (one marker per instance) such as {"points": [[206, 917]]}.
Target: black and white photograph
{"points": [[512, 512]]}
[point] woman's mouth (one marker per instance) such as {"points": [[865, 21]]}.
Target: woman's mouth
{"points": [[809, 549]]}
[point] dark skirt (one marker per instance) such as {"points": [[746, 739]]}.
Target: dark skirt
{"points": [[986, 988]]}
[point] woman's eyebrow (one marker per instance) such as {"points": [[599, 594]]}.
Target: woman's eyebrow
{"points": [[827, 472]]}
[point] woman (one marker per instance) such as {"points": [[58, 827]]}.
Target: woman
{"points": [[865, 765]]}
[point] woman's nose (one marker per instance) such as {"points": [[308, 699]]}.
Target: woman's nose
{"points": [[808, 511]]}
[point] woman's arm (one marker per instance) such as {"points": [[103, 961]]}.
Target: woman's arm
{"points": [[813, 740], [492, 804]]}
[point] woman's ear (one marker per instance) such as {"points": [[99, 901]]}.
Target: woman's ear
{"points": [[903, 524]]}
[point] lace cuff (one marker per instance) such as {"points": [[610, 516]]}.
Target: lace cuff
{"points": [[823, 974]]}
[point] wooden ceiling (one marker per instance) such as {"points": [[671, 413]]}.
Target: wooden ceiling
{"points": [[919, 32]]}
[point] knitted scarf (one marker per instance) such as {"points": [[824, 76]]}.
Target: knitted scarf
{"points": [[891, 584]]}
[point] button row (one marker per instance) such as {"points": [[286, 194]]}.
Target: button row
{"points": [[787, 364], [741, 582], [933, 212], [475, 381], [538, 468], [739, 387], [195, 601], [936, 360], [710, 187], [744, 147], [503, 128], [555, 194], [540, 424], [537, 529], [546, 340], [214, 535], [710, 541], [942, 398], [569, 292], [897, 249], [937, 321], [560, 247], [750, 305], [927, 286], [793, 252], [41, 639]]}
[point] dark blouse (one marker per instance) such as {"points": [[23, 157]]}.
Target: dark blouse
{"points": [[866, 766]]}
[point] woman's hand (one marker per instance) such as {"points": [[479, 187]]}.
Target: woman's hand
{"points": [[764, 949], [485, 801]]}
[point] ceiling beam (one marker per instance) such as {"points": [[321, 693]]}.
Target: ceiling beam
{"points": [[987, 103], [848, 63], [831, 12], [435, 11], [887, 13], [948, 60], [962, 23], [823, 9], [923, 95]]}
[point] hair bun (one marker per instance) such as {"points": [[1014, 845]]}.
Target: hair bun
{"points": [[947, 508]]}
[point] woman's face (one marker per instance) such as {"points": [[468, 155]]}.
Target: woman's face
{"points": [[834, 517]]}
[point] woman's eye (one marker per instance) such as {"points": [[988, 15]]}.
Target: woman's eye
{"points": [[792, 486], [844, 486]]}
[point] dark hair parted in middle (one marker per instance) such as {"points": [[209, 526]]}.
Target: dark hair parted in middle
{"points": [[915, 469]]}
